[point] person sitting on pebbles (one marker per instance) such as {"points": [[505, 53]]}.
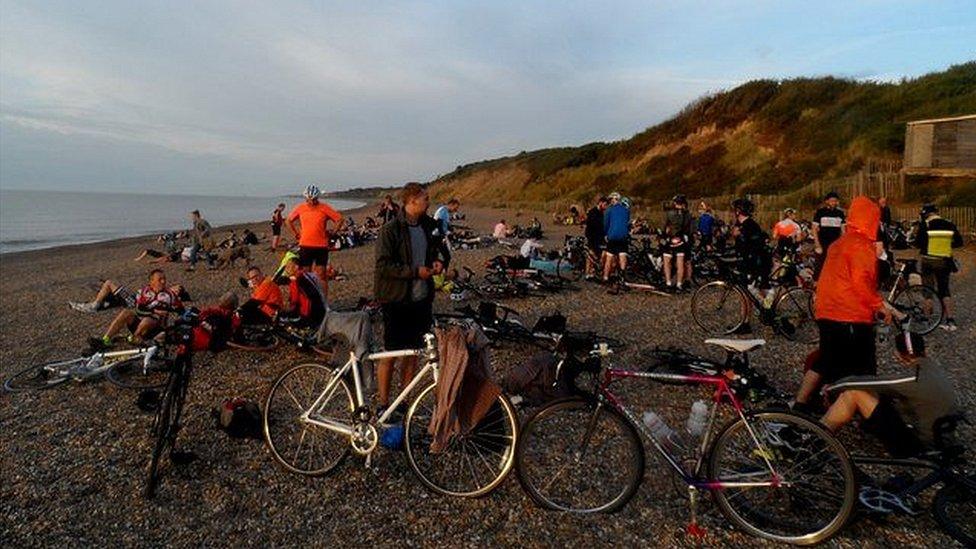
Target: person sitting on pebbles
{"points": [[153, 305]]}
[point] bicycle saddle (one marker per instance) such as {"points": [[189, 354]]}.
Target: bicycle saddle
{"points": [[737, 345]]}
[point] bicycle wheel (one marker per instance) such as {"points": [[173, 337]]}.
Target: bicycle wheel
{"points": [[299, 446], [813, 491], [576, 456], [134, 373], [954, 508], [719, 307], [163, 426], [474, 463], [254, 338], [923, 307], [43, 376], [793, 316]]}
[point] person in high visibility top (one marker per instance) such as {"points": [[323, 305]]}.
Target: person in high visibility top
{"points": [[937, 237]]}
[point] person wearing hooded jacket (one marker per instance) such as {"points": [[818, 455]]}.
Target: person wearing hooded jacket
{"points": [[847, 302]]}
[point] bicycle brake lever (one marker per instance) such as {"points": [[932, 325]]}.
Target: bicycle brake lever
{"points": [[559, 368]]}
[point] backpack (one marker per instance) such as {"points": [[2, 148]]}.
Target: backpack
{"points": [[239, 418]]}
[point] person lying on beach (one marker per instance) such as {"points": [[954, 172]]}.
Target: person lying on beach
{"points": [[113, 294], [229, 256], [266, 299], [153, 305], [172, 249], [216, 324]]}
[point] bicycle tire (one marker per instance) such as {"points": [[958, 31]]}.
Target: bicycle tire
{"points": [[273, 433], [480, 444], [909, 299], [129, 373], [39, 376], [258, 341], [633, 454], [162, 425], [799, 449], [722, 292], [956, 497], [797, 323]]}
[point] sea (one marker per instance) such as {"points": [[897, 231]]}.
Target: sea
{"points": [[32, 220]]}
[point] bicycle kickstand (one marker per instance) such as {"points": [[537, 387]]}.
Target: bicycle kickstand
{"points": [[694, 529]]}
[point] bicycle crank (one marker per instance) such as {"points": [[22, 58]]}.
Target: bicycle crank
{"points": [[364, 439]]}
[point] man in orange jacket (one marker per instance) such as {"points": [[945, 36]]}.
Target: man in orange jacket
{"points": [[847, 302]]}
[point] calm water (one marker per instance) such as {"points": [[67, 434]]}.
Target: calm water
{"points": [[30, 220]]}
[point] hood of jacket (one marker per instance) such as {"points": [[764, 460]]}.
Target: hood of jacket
{"points": [[863, 217]]}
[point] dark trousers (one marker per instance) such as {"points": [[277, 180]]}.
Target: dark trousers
{"points": [[846, 349]]}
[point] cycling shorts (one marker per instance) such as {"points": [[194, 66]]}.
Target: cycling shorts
{"points": [[618, 247], [308, 255]]}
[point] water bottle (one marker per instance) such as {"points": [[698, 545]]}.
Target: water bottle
{"points": [[697, 418], [663, 434]]}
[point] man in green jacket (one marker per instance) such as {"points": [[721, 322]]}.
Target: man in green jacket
{"points": [[409, 252]]}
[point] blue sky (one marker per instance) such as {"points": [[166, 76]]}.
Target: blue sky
{"points": [[262, 98]]}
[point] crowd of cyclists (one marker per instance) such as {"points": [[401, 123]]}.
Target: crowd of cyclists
{"points": [[848, 250]]}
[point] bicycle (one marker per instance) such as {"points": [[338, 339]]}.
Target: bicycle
{"points": [[953, 505], [920, 302], [144, 367], [774, 474], [166, 422], [268, 337], [312, 432], [723, 307]]}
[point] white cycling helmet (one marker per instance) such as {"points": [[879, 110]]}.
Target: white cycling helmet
{"points": [[311, 191], [615, 196]]}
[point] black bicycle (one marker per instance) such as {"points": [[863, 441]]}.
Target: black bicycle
{"points": [[169, 411]]}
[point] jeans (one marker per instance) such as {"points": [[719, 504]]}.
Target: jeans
{"points": [[194, 250]]}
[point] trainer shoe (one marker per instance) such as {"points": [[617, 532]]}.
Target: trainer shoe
{"points": [[99, 344], [83, 307], [949, 325]]}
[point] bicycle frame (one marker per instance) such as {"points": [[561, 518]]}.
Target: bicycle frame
{"points": [[99, 362], [430, 367], [692, 478]]}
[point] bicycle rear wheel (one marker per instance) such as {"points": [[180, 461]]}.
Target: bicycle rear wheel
{"points": [[923, 307], [793, 316], [954, 508], [43, 376], [719, 308], [134, 373], [812, 492], [299, 446], [164, 426], [576, 456], [254, 338], [474, 463]]}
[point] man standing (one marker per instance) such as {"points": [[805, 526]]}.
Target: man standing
{"points": [[595, 236], [313, 238], [706, 225], [277, 220], [410, 250], [936, 239], [202, 239], [616, 222], [847, 303], [677, 228], [388, 210], [828, 225]]}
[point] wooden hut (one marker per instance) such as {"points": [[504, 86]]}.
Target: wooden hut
{"points": [[941, 147]]}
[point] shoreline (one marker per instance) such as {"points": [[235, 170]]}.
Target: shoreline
{"points": [[258, 227]]}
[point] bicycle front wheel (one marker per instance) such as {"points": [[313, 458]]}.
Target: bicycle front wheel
{"points": [[43, 376], [299, 445], [719, 308], [576, 456], [954, 508], [254, 338], [923, 307], [793, 316], [163, 430], [473, 463], [134, 373], [795, 486]]}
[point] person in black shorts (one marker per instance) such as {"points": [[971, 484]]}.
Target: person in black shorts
{"points": [[410, 250], [677, 230], [595, 235], [937, 237]]}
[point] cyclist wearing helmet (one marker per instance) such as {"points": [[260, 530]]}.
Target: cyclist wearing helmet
{"points": [[313, 237], [677, 229], [616, 222], [787, 232], [828, 226], [936, 239]]}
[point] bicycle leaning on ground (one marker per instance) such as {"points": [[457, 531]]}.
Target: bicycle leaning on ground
{"points": [[144, 367], [774, 474], [315, 415]]}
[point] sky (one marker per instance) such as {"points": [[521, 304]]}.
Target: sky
{"points": [[261, 98]]}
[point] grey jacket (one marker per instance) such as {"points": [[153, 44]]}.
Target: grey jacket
{"points": [[394, 274]]}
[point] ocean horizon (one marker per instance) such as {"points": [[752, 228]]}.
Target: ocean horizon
{"points": [[36, 219]]}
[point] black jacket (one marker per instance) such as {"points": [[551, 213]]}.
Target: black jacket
{"points": [[394, 274]]}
